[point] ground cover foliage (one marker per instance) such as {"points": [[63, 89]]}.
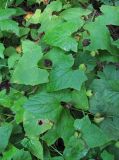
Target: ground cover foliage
{"points": [[59, 80]]}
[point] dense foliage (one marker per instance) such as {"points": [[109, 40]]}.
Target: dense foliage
{"points": [[59, 80]]}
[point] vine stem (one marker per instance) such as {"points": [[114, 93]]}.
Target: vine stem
{"points": [[56, 151]]}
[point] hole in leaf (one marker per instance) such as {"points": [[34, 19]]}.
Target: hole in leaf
{"points": [[40, 122], [5, 85], [86, 42], [57, 147], [60, 144], [29, 8], [47, 63], [55, 13], [34, 26], [114, 31], [96, 4]]}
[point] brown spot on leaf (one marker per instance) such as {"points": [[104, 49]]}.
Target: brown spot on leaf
{"points": [[47, 63], [86, 42], [40, 122]]}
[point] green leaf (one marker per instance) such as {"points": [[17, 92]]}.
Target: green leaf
{"points": [[92, 135], [18, 2], [108, 58], [98, 31], [75, 148], [18, 109], [87, 60], [111, 127], [59, 58], [116, 43], [35, 19], [64, 122], [9, 26], [14, 101], [34, 146], [62, 76], [107, 156], [104, 39], [110, 2], [16, 154], [5, 132], [1, 50], [4, 99], [66, 78], [75, 15], [106, 94], [48, 18], [13, 60], [109, 12], [46, 106], [27, 71], [6, 24], [6, 13], [23, 31], [34, 128], [5, 3], [80, 99], [60, 36]]}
